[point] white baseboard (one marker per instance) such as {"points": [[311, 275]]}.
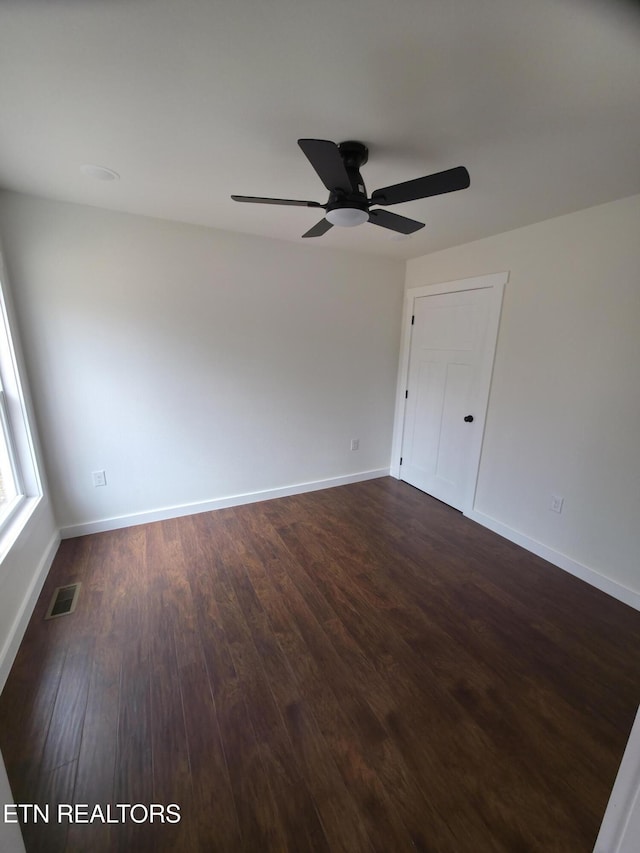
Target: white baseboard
{"points": [[590, 576], [12, 643], [117, 522]]}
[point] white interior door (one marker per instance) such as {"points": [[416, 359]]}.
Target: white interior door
{"points": [[445, 398]]}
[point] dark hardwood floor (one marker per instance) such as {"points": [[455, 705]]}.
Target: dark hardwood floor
{"points": [[356, 669]]}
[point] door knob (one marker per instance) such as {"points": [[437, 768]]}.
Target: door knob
{"points": [[469, 419]]}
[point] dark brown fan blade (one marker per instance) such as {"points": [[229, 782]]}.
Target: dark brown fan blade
{"points": [[436, 184], [401, 224], [290, 201], [325, 158], [319, 229]]}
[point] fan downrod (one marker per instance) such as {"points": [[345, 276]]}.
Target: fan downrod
{"points": [[354, 154]]}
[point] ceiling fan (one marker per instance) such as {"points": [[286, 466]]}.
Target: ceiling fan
{"points": [[338, 167]]}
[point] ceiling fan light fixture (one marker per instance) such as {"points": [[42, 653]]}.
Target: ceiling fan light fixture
{"points": [[347, 217]]}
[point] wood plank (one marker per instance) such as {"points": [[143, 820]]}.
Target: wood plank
{"points": [[297, 819], [67, 718], [212, 803], [255, 803], [53, 787]]}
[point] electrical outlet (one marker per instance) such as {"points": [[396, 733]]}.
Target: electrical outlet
{"points": [[355, 443], [556, 503], [99, 478]]}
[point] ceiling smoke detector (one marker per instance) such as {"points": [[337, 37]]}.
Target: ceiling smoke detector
{"points": [[99, 173]]}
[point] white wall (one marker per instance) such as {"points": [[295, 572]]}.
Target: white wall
{"points": [[10, 835], [564, 411], [22, 574], [194, 364], [620, 828]]}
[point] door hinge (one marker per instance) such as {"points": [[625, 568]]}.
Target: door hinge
{"points": [[406, 394], [401, 460], [413, 319]]}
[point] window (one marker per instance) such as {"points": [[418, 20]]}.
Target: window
{"points": [[19, 479], [10, 489]]}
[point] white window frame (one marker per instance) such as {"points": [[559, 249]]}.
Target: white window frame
{"points": [[9, 460], [15, 425]]}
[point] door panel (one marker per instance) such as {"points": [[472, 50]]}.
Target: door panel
{"points": [[447, 347], [453, 429]]}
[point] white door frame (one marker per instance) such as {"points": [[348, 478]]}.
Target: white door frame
{"points": [[494, 281]]}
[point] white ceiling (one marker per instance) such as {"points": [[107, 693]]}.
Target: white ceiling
{"points": [[191, 101]]}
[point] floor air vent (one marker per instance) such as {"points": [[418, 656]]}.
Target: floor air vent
{"points": [[63, 601]]}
